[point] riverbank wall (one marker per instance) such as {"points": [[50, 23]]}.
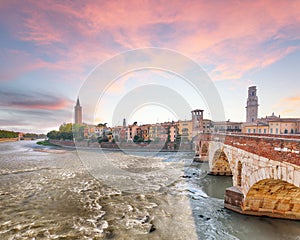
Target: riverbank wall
{"points": [[8, 139], [120, 146]]}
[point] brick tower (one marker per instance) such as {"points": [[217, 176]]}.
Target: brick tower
{"points": [[197, 121], [78, 112]]}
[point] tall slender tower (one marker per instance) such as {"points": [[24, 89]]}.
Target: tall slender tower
{"points": [[252, 105], [124, 122], [78, 112]]}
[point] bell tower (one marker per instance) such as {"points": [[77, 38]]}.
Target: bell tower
{"points": [[252, 105], [78, 112]]}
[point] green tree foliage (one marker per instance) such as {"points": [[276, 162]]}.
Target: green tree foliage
{"points": [[12, 134], [34, 135], [78, 131], [138, 139], [102, 125], [104, 138], [8, 134], [67, 131], [53, 134], [66, 127]]}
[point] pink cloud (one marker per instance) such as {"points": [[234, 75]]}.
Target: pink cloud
{"points": [[62, 104], [231, 36]]}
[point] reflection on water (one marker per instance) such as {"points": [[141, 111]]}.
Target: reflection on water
{"points": [[46, 193]]}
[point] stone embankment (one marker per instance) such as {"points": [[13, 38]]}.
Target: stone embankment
{"points": [[123, 146]]}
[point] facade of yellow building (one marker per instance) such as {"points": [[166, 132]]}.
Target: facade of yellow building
{"points": [[255, 128], [273, 125], [185, 129], [284, 126]]}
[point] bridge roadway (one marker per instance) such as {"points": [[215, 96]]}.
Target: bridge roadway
{"points": [[265, 171]]}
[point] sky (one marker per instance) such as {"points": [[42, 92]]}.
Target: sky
{"points": [[48, 50]]}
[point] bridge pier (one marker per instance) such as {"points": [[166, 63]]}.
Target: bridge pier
{"points": [[201, 158], [263, 205], [220, 173], [233, 199]]}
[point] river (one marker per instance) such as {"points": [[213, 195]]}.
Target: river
{"points": [[50, 193]]}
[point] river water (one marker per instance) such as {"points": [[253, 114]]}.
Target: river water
{"points": [[50, 193]]}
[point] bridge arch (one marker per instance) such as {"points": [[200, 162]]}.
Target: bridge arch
{"points": [[280, 171], [274, 198], [220, 164]]}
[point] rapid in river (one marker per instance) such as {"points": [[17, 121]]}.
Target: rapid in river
{"points": [[52, 193]]}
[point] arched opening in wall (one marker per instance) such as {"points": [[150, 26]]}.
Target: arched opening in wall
{"points": [[274, 198], [220, 164], [239, 176]]}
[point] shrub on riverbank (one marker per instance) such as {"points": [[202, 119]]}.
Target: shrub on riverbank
{"points": [[45, 143]]}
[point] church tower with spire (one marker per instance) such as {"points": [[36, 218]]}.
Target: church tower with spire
{"points": [[78, 113]]}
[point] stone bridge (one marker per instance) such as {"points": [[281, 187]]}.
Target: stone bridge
{"points": [[265, 171]]}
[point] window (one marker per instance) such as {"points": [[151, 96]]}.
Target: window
{"points": [[271, 130], [259, 130], [253, 130], [292, 131], [276, 130], [249, 130], [265, 130]]}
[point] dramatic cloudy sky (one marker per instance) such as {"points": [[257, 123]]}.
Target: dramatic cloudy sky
{"points": [[49, 48]]}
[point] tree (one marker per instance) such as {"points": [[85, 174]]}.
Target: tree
{"points": [[102, 125], [67, 131], [137, 139], [78, 132], [103, 139], [53, 134], [66, 135], [8, 134], [66, 127]]}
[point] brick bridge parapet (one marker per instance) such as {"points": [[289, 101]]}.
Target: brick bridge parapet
{"points": [[282, 148]]}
